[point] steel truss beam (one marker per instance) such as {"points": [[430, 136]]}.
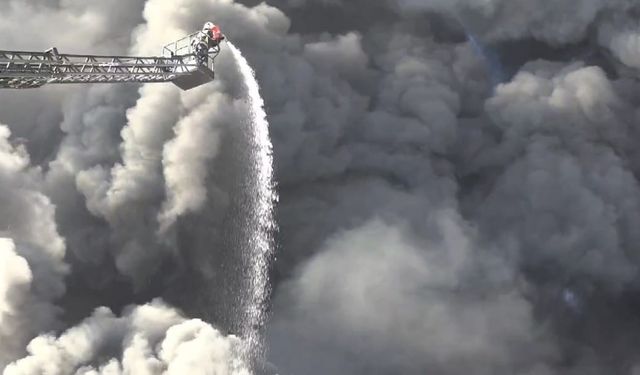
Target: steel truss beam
{"points": [[34, 69]]}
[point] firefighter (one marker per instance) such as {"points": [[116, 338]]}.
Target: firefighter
{"points": [[207, 39]]}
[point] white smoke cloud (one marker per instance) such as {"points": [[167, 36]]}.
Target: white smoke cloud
{"points": [[187, 157], [21, 313], [171, 140], [31, 253], [620, 33], [148, 339]]}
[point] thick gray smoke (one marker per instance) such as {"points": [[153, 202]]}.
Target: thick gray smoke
{"points": [[429, 222]]}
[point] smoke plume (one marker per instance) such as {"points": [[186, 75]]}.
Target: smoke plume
{"points": [[433, 219]]}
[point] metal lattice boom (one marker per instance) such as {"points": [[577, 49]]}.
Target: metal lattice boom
{"points": [[34, 69], [180, 64]]}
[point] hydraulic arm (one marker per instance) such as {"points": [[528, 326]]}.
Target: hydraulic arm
{"points": [[33, 69], [187, 62]]}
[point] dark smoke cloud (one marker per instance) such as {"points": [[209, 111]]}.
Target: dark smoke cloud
{"points": [[429, 223]]}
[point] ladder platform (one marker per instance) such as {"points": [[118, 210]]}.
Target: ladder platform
{"points": [[198, 77]]}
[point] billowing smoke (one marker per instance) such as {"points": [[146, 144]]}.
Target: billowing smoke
{"points": [[123, 183], [149, 339], [32, 258], [431, 220]]}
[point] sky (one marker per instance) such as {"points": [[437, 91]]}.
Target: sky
{"points": [[458, 191]]}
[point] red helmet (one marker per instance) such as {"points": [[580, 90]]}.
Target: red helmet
{"points": [[216, 33]]}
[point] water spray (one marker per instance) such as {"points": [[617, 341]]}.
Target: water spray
{"points": [[491, 58], [261, 221]]}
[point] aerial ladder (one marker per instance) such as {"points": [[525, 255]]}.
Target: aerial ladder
{"points": [[187, 63]]}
